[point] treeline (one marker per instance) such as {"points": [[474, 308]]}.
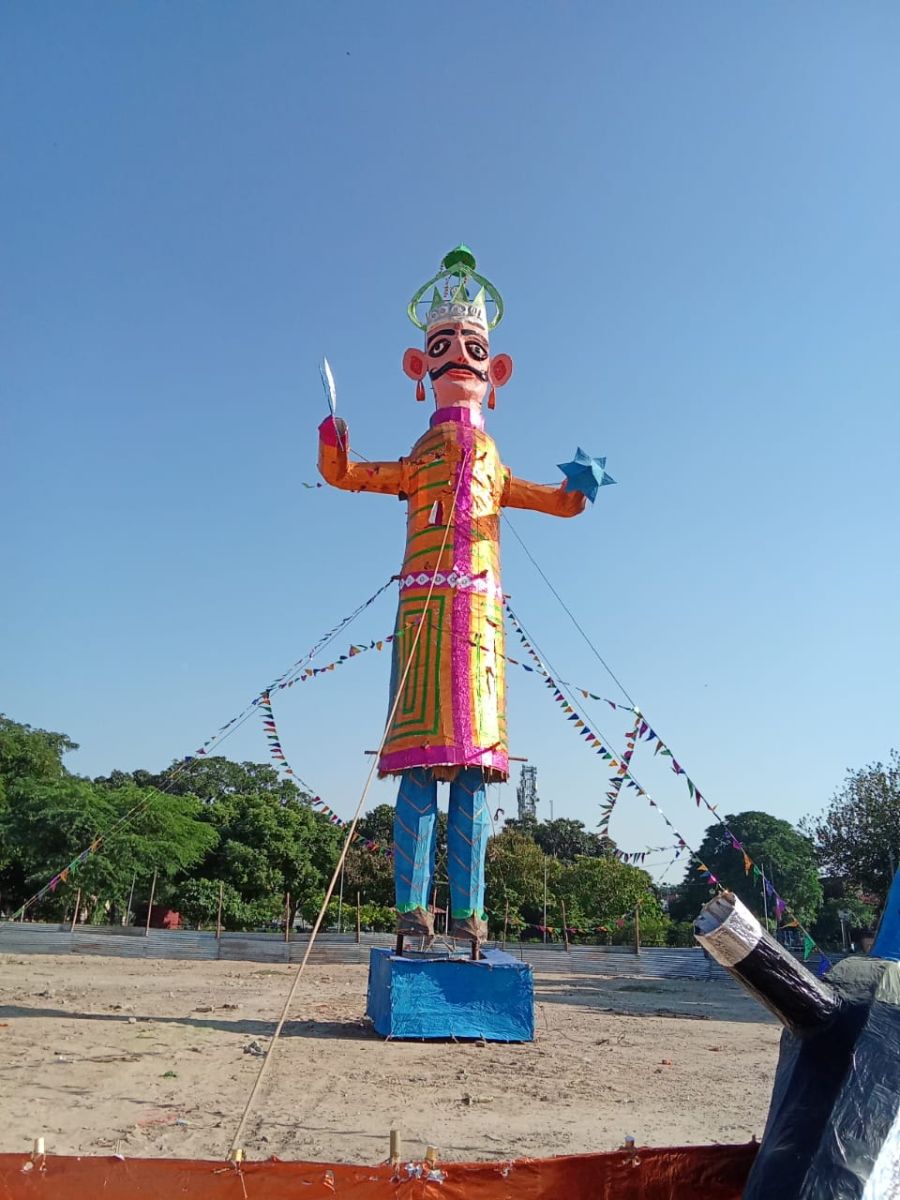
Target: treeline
{"points": [[214, 831]]}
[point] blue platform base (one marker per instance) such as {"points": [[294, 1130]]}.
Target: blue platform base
{"points": [[451, 998]]}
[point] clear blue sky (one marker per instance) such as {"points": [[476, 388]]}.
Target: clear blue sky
{"points": [[692, 212]]}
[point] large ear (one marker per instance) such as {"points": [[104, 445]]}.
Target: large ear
{"points": [[414, 364], [500, 370]]}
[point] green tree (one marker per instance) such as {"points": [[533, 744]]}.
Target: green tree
{"points": [[567, 840], [212, 778], [827, 928], [28, 754], [265, 848], [599, 891], [514, 873], [858, 836], [367, 872], [198, 903], [268, 840], [788, 858], [48, 823]]}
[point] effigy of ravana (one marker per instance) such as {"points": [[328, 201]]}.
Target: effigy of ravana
{"points": [[448, 722]]}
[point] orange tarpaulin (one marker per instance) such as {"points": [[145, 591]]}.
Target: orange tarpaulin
{"points": [[710, 1172]]}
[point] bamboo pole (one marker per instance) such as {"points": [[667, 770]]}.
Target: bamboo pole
{"points": [[545, 898], [150, 906], [130, 898], [764, 899], [357, 920], [637, 929], [75, 913], [219, 909], [505, 921], [562, 905], [287, 916]]}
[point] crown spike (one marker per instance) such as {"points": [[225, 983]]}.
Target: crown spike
{"points": [[461, 295]]}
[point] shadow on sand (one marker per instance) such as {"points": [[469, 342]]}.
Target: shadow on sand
{"points": [[710, 1001], [352, 1030]]}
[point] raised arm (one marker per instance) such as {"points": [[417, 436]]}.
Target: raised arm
{"points": [[335, 467], [542, 497]]}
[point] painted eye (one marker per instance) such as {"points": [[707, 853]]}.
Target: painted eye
{"points": [[476, 351], [439, 347]]}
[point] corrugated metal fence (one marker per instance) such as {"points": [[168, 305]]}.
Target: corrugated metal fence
{"points": [[334, 948]]}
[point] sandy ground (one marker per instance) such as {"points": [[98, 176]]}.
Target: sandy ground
{"points": [[161, 1057]]}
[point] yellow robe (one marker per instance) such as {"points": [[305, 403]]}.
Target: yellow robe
{"points": [[451, 711]]}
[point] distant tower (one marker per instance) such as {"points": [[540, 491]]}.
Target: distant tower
{"points": [[526, 794]]}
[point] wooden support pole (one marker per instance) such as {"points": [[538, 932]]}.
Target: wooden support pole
{"points": [[357, 920], [505, 921], [395, 1148], [150, 905], [75, 913], [219, 909], [127, 920], [287, 916], [562, 906], [637, 929]]}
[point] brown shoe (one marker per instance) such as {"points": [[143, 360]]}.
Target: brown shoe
{"points": [[472, 927], [418, 922]]}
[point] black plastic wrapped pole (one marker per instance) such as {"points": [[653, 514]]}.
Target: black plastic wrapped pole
{"points": [[728, 931]]}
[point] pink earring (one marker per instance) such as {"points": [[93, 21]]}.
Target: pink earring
{"points": [[420, 390]]}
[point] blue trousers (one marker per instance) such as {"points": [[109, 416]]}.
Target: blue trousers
{"points": [[415, 836]]}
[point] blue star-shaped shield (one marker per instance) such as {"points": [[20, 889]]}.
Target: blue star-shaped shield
{"points": [[585, 474]]}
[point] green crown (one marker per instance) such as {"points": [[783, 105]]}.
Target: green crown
{"points": [[455, 304]]}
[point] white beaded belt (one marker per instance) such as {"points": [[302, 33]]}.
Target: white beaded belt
{"points": [[458, 580]]}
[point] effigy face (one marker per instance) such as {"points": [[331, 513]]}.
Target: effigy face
{"points": [[457, 355], [457, 360]]}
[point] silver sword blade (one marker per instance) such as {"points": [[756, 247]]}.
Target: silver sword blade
{"points": [[328, 385]]}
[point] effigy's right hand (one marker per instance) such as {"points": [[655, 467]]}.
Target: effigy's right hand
{"points": [[333, 431]]}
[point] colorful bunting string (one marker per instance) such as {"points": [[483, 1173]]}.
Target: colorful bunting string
{"points": [[276, 752], [643, 730], [288, 678], [594, 739], [615, 783], [640, 856], [781, 907], [617, 923], [223, 732]]}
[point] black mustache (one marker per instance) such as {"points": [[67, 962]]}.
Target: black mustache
{"points": [[452, 366]]}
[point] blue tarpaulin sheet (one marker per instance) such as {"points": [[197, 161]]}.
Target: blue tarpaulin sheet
{"points": [[433, 998]]}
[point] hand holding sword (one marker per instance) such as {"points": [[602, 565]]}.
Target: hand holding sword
{"points": [[333, 429]]}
